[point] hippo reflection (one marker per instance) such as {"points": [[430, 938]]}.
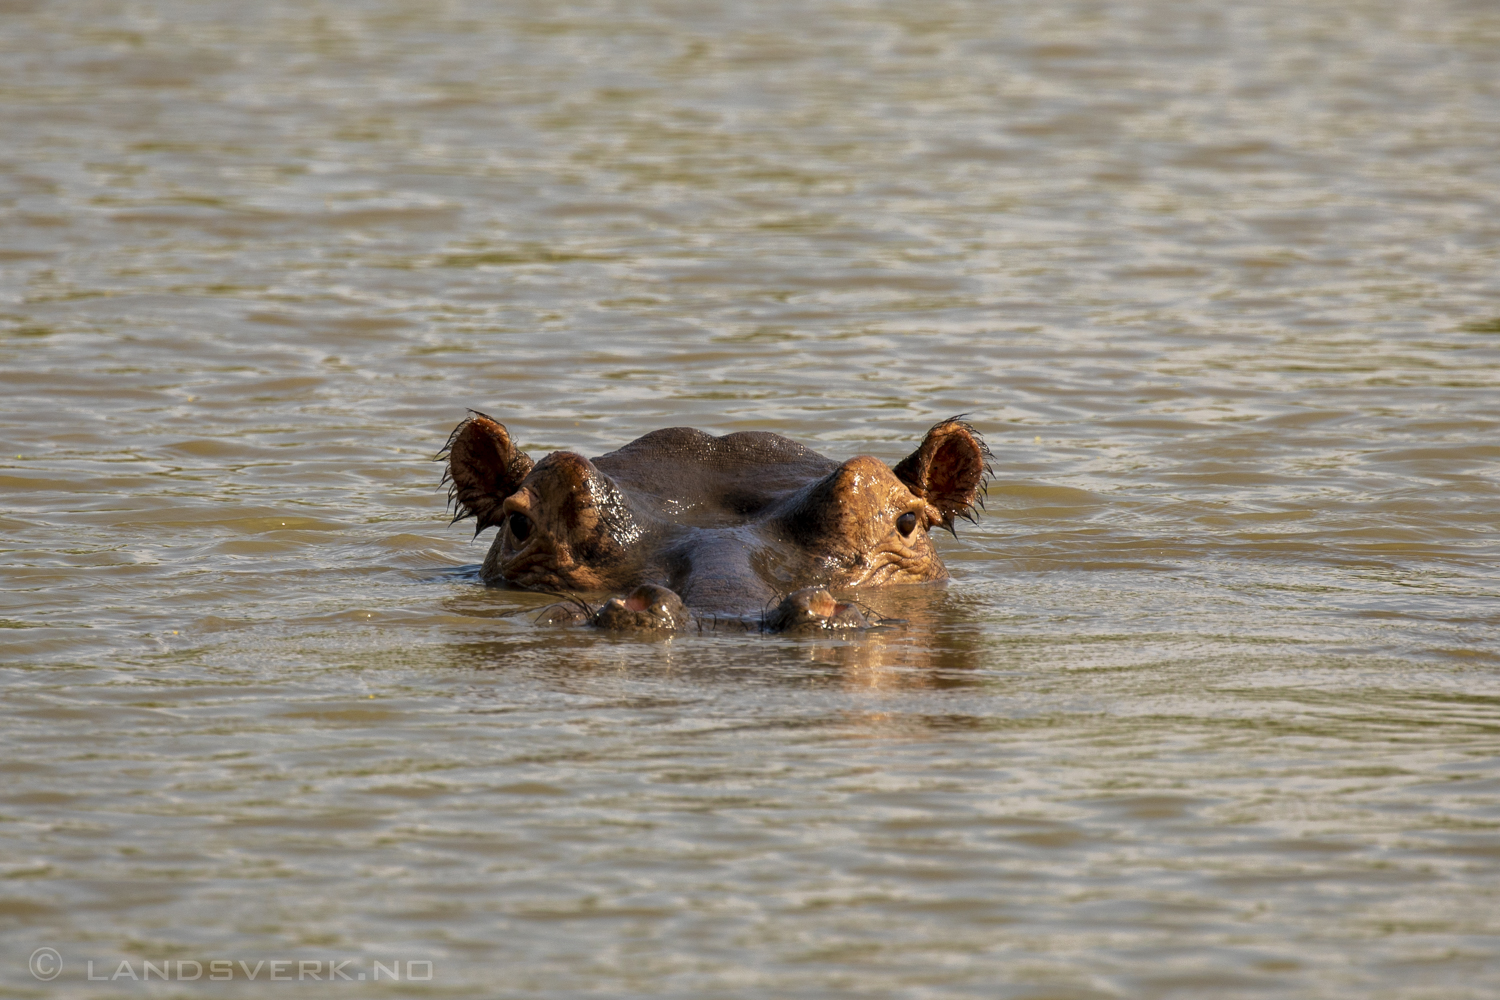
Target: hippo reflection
{"points": [[688, 524]]}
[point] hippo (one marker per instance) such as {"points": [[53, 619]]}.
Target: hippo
{"points": [[688, 527]]}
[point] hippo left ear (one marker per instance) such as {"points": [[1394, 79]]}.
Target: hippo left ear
{"points": [[949, 470], [484, 467]]}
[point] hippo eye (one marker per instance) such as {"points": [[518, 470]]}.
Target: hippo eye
{"points": [[906, 523], [520, 527]]}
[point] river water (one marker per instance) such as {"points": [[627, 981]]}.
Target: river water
{"points": [[1209, 707]]}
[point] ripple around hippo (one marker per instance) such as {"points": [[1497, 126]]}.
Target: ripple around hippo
{"points": [[694, 525]]}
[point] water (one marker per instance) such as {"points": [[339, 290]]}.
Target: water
{"points": [[1209, 708]]}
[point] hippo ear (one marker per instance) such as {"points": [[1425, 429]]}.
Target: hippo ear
{"points": [[484, 468], [949, 470]]}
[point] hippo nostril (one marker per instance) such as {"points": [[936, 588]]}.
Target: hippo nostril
{"points": [[906, 523], [520, 527]]}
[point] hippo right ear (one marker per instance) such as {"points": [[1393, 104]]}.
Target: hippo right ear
{"points": [[949, 470], [484, 468]]}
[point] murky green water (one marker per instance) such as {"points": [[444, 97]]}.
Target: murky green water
{"points": [[1210, 708]]}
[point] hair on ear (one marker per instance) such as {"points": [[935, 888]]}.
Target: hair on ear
{"points": [[484, 467], [950, 470]]}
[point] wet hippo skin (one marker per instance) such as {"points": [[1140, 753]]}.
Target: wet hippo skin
{"points": [[750, 525]]}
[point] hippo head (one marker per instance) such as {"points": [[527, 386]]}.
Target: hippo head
{"points": [[731, 524]]}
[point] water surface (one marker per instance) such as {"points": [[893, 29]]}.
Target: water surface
{"points": [[1209, 707]]}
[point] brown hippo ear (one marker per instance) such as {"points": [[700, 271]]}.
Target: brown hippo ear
{"points": [[949, 470], [484, 468]]}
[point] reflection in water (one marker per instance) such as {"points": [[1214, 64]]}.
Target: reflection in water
{"points": [[932, 646], [1209, 707]]}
